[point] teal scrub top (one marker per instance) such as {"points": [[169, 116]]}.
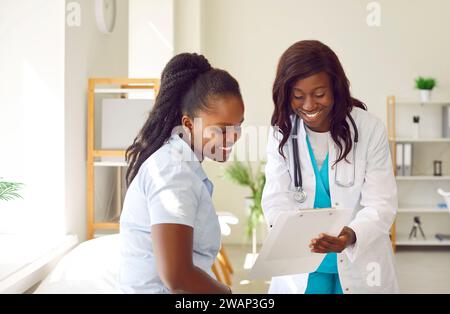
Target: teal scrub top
{"points": [[323, 200]]}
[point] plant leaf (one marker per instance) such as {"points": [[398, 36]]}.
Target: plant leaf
{"points": [[9, 191], [239, 174], [244, 176]]}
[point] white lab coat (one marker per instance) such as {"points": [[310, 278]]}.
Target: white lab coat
{"points": [[368, 265]]}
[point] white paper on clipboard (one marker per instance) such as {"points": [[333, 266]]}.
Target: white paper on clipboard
{"points": [[286, 249]]}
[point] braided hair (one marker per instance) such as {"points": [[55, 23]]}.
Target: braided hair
{"points": [[187, 82]]}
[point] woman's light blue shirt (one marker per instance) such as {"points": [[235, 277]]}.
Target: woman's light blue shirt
{"points": [[170, 187]]}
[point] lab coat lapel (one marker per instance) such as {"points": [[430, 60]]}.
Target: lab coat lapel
{"points": [[332, 156]]}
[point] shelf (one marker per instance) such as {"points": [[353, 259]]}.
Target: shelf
{"points": [[423, 210], [110, 164], [428, 103], [107, 225], [148, 90], [420, 140], [422, 178], [104, 234], [108, 153], [404, 241]]}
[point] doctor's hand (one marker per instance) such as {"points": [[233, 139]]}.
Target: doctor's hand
{"points": [[327, 244]]}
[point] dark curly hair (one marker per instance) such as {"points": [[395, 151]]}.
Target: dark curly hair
{"points": [[187, 82]]}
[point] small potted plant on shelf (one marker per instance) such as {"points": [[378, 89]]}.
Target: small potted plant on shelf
{"points": [[425, 85]]}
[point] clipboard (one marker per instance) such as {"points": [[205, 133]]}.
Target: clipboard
{"points": [[286, 249]]}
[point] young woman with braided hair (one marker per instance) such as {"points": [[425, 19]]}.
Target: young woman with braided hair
{"points": [[170, 233]]}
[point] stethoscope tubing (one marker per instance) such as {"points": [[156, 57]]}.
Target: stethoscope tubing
{"points": [[297, 167]]}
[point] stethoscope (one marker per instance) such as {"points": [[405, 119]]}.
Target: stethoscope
{"points": [[299, 193]]}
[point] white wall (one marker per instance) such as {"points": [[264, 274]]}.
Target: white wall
{"points": [[151, 36], [248, 37], [188, 23], [89, 53], [32, 113]]}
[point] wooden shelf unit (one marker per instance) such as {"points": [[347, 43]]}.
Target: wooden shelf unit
{"points": [[122, 86]]}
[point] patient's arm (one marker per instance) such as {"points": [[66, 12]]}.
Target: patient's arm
{"points": [[173, 246]]}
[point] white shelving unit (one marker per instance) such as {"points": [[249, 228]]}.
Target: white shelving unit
{"points": [[417, 193]]}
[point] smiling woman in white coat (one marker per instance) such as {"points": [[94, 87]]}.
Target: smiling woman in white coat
{"points": [[325, 150]]}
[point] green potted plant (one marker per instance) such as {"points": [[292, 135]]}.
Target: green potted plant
{"points": [[10, 190], [243, 175], [425, 85]]}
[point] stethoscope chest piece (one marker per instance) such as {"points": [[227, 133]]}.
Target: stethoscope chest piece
{"points": [[299, 195]]}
